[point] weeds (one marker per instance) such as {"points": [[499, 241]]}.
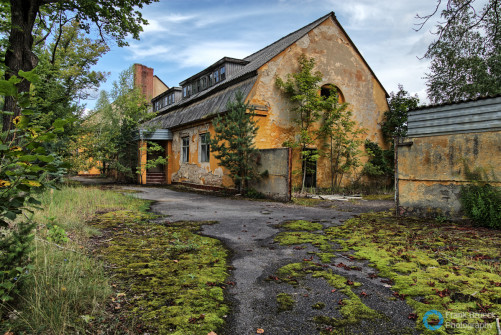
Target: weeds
{"points": [[64, 289]]}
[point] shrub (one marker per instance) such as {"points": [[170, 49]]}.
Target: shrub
{"points": [[482, 204]]}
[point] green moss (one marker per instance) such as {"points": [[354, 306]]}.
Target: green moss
{"points": [[174, 276], [379, 197], [307, 201], [444, 265], [318, 305], [285, 302], [302, 237], [302, 225]]}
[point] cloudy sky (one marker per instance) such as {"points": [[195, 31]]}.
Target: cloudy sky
{"points": [[185, 36]]}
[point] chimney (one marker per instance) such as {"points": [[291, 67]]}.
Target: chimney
{"points": [[143, 78]]}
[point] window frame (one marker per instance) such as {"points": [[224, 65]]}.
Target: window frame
{"points": [[204, 147], [185, 149]]}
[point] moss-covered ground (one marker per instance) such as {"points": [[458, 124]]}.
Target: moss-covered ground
{"points": [[430, 265], [167, 276]]}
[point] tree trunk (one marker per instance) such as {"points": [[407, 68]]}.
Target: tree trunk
{"points": [[19, 55]]}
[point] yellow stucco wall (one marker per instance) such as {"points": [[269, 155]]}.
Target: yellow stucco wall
{"points": [[158, 86], [343, 67], [432, 169]]}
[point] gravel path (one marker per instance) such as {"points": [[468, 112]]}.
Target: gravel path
{"points": [[247, 228]]}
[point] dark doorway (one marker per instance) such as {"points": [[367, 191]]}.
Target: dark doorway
{"points": [[310, 165]]}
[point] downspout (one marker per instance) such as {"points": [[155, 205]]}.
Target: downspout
{"points": [[397, 195]]}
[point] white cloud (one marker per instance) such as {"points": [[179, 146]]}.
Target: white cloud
{"points": [[141, 51], [206, 53]]}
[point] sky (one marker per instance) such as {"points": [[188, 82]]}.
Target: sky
{"points": [[185, 36]]}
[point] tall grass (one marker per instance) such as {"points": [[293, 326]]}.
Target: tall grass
{"points": [[65, 289], [70, 207]]}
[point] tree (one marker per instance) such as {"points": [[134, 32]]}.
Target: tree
{"points": [[320, 117], [108, 132], [113, 18], [25, 168], [458, 10], [302, 89], [341, 137], [395, 118], [233, 141], [66, 78], [466, 58], [381, 161]]}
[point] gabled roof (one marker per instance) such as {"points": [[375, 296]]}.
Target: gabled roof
{"points": [[254, 62]]}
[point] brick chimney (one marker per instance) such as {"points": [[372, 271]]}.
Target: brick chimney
{"points": [[143, 78]]}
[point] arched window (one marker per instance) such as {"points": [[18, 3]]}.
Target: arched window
{"points": [[327, 89]]}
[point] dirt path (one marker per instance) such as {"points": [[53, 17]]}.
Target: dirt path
{"points": [[248, 229]]}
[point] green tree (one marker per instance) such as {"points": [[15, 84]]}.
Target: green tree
{"points": [[381, 161], [64, 68], [108, 132], [233, 142], [341, 137], [26, 167], [466, 59], [302, 89], [113, 19], [395, 118]]}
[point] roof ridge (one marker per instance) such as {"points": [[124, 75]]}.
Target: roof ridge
{"points": [[313, 24]]}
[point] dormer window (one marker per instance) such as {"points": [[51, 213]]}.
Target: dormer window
{"points": [[223, 72], [216, 77]]}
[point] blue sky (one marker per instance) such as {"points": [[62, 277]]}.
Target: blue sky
{"points": [[185, 36]]}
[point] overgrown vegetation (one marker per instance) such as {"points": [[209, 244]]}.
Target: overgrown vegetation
{"points": [[170, 278], [431, 265], [482, 203], [320, 117], [63, 289], [233, 142]]}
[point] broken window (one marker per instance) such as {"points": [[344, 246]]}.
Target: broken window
{"points": [[222, 71], [186, 149], [216, 76], [204, 147], [328, 89]]}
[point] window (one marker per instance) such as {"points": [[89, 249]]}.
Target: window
{"points": [[185, 91], [216, 76], [165, 103], [223, 73], [186, 150], [327, 90], [157, 105], [204, 83], [204, 147]]}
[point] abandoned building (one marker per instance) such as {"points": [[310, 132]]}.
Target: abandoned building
{"points": [[443, 143], [185, 113]]}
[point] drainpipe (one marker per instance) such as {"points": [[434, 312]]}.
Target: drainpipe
{"points": [[397, 195]]}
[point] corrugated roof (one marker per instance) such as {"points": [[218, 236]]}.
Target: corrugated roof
{"points": [[469, 116], [449, 103], [202, 109]]}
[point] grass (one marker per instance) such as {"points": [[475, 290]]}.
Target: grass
{"points": [[65, 288], [160, 278]]}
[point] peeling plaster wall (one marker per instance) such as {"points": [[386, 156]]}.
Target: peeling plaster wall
{"points": [[431, 170], [196, 172], [340, 65]]}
